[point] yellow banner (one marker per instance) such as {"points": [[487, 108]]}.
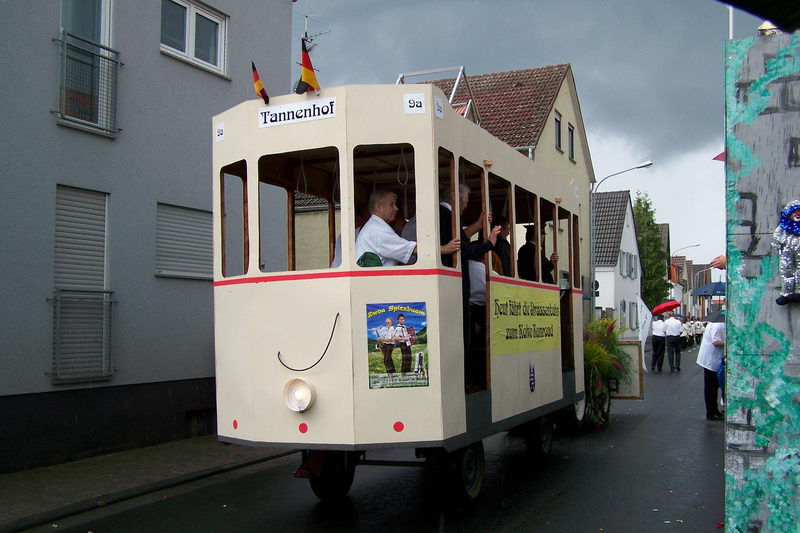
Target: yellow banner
{"points": [[524, 319]]}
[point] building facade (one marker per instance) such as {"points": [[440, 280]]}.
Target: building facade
{"points": [[618, 268], [107, 336]]}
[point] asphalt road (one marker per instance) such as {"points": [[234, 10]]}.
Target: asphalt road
{"points": [[657, 467]]}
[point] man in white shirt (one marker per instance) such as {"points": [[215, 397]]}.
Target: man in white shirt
{"points": [[673, 328], [403, 340], [659, 340], [710, 356], [378, 237], [699, 328]]}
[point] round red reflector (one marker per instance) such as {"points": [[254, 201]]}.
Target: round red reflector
{"points": [[303, 427], [399, 426], [235, 424]]}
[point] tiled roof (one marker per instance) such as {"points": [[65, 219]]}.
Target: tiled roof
{"points": [[513, 105], [609, 212]]}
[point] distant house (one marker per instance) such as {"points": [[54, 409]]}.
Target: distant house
{"points": [[618, 266], [537, 112]]}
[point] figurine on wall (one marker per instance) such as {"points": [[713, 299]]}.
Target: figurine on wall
{"points": [[786, 240]]}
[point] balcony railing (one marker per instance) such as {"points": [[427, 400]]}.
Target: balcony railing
{"points": [[81, 336], [88, 85]]}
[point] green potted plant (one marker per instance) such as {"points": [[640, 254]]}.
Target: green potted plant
{"points": [[604, 366]]}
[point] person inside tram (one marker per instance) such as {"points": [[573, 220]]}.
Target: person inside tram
{"points": [[470, 251], [379, 239], [501, 256], [526, 258]]}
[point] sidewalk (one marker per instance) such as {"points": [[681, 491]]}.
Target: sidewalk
{"points": [[35, 497]]}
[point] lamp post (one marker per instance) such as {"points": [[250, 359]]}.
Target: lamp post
{"points": [[672, 254], [592, 191], [694, 286]]}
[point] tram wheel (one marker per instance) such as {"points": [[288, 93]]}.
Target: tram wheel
{"points": [[465, 471], [572, 419], [331, 473], [539, 438]]}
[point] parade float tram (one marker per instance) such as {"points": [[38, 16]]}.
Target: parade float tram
{"points": [[301, 354]]}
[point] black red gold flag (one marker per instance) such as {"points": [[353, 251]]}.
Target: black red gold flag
{"points": [[258, 86], [308, 80]]}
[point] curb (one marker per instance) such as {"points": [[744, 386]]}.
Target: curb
{"points": [[110, 498]]}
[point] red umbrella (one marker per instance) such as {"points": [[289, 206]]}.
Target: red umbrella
{"points": [[663, 307]]}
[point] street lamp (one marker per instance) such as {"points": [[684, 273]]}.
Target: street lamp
{"points": [[694, 287], [592, 191], [695, 245]]}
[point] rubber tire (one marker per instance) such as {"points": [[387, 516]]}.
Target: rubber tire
{"points": [[466, 468], [572, 419], [539, 438], [336, 474]]}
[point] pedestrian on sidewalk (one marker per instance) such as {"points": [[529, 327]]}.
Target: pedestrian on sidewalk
{"points": [[686, 336], [710, 357], [659, 342], [673, 328], [699, 328]]}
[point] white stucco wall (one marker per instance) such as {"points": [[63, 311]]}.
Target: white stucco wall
{"points": [[615, 288]]}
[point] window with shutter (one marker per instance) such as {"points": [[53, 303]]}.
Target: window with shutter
{"points": [[183, 243], [81, 303]]}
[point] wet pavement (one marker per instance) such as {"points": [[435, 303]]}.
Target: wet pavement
{"points": [[671, 473]]}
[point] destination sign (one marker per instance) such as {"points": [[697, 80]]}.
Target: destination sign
{"points": [[279, 115]]}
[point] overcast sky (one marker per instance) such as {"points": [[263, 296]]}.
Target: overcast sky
{"points": [[649, 76]]}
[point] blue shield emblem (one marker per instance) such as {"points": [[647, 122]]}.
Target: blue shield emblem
{"points": [[532, 377]]}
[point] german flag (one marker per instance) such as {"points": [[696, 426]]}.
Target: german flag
{"points": [[308, 80], [259, 87]]}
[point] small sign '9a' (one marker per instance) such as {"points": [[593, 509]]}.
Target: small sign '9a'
{"points": [[414, 104]]}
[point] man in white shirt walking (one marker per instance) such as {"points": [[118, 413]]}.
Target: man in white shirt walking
{"points": [[710, 357], [673, 328], [659, 340]]}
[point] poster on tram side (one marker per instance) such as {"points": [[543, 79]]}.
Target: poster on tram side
{"points": [[397, 345], [524, 319]]}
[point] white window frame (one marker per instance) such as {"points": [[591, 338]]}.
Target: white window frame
{"points": [[193, 9]]}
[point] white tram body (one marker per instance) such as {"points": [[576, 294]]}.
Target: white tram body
{"points": [[320, 315]]}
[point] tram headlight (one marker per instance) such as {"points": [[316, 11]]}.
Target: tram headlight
{"points": [[298, 395]]}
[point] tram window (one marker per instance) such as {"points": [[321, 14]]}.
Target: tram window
{"points": [[447, 194], [273, 245], [471, 175], [235, 255], [476, 359], [502, 215], [576, 252], [527, 234], [565, 245], [298, 194], [388, 167], [549, 246]]}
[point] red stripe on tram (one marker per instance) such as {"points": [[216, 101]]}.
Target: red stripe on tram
{"points": [[341, 274]]}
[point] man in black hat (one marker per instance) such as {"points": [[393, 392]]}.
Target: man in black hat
{"points": [[526, 258]]}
